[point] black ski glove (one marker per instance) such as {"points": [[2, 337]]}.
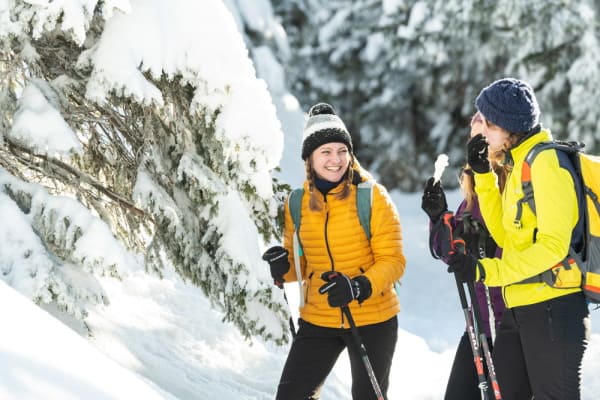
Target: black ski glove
{"points": [[277, 257], [433, 201], [341, 290], [477, 154], [463, 265]]}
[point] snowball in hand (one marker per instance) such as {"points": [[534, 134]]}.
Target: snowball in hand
{"points": [[440, 164]]}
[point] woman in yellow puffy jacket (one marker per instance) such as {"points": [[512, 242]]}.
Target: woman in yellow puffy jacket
{"points": [[542, 336], [340, 267]]}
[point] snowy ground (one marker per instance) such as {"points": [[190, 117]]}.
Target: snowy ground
{"points": [[163, 340], [160, 338]]}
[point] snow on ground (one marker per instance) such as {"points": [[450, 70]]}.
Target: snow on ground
{"points": [[164, 341]]}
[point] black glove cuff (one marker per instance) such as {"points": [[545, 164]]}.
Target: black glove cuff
{"points": [[275, 254], [481, 168], [437, 218]]}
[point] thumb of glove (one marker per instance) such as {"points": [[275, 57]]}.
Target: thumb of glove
{"points": [[330, 278]]}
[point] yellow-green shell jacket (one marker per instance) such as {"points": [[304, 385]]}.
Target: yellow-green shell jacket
{"points": [[541, 240], [333, 239]]}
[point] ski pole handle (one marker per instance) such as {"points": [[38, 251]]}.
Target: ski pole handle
{"points": [[446, 234]]}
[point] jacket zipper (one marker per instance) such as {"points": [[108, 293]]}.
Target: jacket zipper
{"points": [[329, 251], [326, 237]]}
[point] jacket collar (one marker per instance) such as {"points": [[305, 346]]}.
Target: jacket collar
{"points": [[324, 186], [521, 149]]}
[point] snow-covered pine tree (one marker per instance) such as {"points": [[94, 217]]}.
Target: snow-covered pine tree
{"points": [[269, 50], [167, 141], [335, 46], [413, 69]]}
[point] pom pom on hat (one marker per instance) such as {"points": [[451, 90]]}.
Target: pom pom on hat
{"points": [[323, 126], [510, 104]]}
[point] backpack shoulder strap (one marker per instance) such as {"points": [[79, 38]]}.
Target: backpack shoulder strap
{"points": [[569, 148], [295, 206], [526, 184], [364, 202]]}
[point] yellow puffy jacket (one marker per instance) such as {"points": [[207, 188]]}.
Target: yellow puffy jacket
{"points": [[333, 239], [541, 240]]}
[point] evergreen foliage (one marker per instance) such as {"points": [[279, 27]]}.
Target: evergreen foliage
{"points": [[155, 173], [405, 74]]}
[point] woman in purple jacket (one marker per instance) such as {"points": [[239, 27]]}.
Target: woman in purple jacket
{"points": [[467, 223]]}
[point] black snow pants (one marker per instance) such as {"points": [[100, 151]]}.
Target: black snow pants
{"points": [[315, 350], [539, 349]]}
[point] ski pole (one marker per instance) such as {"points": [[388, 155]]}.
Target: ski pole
{"points": [[492, 317], [484, 344], [472, 323], [477, 357], [363, 353]]}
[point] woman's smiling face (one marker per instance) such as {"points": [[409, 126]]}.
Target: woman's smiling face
{"points": [[330, 161]]}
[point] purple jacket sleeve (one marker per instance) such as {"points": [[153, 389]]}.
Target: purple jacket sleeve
{"points": [[496, 301]]}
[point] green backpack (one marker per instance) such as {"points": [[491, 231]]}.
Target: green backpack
{"points": [[364, 201]]}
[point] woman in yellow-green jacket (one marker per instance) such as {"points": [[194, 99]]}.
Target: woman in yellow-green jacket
{"points": [[542, 337], [340, 267]]}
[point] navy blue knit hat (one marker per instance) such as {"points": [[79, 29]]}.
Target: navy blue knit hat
{"points": [[323, 126], [510, 104]]}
